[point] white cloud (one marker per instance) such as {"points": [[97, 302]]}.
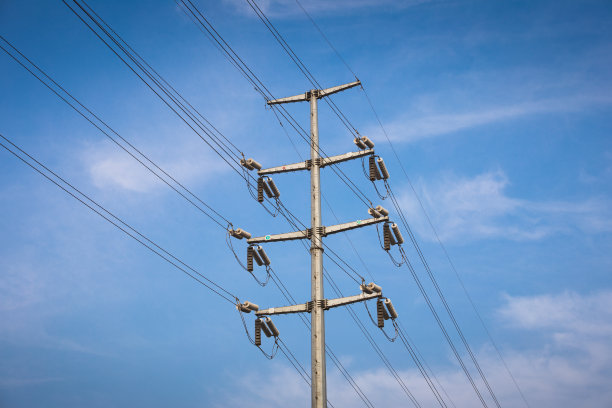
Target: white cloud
{"points": [[479, 207], [550, 374]]}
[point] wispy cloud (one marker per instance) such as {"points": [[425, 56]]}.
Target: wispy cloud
{"points": [[551, 374], [479, 207]]}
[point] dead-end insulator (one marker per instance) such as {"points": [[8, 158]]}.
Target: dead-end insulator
{"points": [[260, 187], [272, 327], [383, 169], [382, 210], [263, 255], [374, 173], [391, 309], [397, 233], [380, 313], [367, 142], [374, 213], [245, 164], [386, 237], [247, 307], [374, 287], [360, 143], [239, 233], [254, 164], [258, 326], [275, 190], [364, 288]]}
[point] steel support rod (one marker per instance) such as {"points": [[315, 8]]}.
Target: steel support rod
{"points": [[319, 381]]}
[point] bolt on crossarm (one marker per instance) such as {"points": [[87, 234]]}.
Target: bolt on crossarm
{"points": [[318, 304]]}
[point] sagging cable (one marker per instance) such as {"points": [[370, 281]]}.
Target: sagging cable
{"points": [[257, 340]]}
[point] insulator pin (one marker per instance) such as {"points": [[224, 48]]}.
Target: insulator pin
{"points": [[272, 327], [258, 327], [380, 313], [367, 142], [246, 165], [374, 213], [253, 164], [275, 190], [360, 143], [397, 233], [382, 210], [391, 309], [263, 255], [374, 173], [383, 169], [250, 253]]}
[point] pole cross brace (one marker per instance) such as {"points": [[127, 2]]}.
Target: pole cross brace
{"points": [[317, 93], [325, 304], [324, 161]]}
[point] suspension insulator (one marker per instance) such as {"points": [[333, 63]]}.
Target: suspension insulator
{"points": [[360, 143], [374, 174], [275, 190], [253, 163], [374, 213], [250, 306], [250, 259], [391, 309], [258, 325], [374, 287], [367, 142], [265, 329], [263, 255], [380, 313], [386, 237], [260, 184], [272, 327], [267, 190], [245, 164], [241, 233], [397, 233], [257, 257], [382, 210], [383, 169]]}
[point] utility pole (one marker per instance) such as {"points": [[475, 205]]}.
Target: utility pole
{"points": [[318, 304]]}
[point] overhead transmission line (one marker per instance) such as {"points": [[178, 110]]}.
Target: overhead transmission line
{"points": [[428, 218], [346, 122]]}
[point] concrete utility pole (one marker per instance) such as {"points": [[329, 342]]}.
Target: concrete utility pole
{"points": [[318, 304]]}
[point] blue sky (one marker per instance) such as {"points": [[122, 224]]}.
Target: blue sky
{"points": [[499, 111]]}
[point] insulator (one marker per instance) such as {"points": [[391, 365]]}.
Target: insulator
{"points": [[392, 240], [260, 184], [245, 164], [380, 313], [390, 308], [251, 306], [266, 189], [265, 329], [272, 327], [374, 213], [382, 210], [397, 233], [366, 289], [250, 259], [374, 287], [367, 142], [243, 308], [383, 169], [257, 257], [263, 255], [360, 143], [234, 233], [273, 187], [258, 325], [374, 175], [387, 237], [254, 164], [385, 314], [242, 233]]}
